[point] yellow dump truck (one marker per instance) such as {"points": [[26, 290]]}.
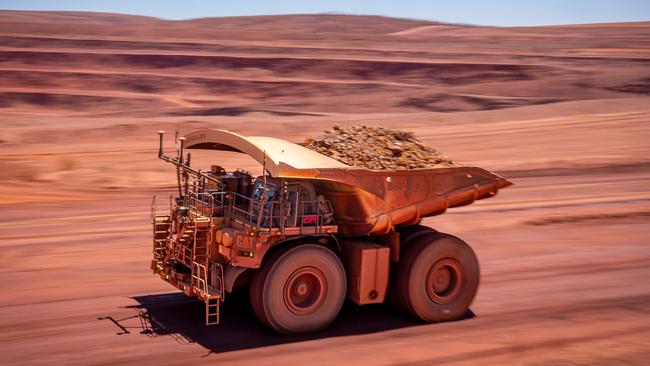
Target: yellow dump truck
{"points": [[311, 231]]}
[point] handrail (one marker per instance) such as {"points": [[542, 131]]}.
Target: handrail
{"points": [[200, 275], [259, 214], [309, 213]]}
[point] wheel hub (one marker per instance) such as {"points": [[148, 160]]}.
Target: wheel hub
{"points": [[302, 288], [444, 280], [305, 290]]}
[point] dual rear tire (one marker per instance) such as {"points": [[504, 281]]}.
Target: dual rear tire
{"points": [[437, 276]]}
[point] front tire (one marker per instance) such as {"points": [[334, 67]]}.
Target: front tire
{"points": [[299, 290], [437, 278]]}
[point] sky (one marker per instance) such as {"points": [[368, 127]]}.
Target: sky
{"points": [[480, 12]]}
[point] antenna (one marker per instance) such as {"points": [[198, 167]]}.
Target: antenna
{"points": [[263, 198], [264, 169], [178, 127]]}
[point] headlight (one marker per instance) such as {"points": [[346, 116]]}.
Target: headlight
{"points": [[218, 236], [226, 239]]}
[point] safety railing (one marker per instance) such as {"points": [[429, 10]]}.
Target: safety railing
{"points": [[315, 213], [207, 203], [276, 215], [154, 207], [182, 252], [200, 277], [259, 213]]}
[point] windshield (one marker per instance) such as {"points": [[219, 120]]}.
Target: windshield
{"points": [[259, 190]]}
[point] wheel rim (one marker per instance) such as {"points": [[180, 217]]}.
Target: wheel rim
{"points": [[444, 280], [305, 290]]}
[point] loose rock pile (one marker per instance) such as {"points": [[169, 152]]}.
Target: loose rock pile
{"points": [[376, 148]]}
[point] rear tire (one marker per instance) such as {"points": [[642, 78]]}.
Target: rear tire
{"points": [[437, 277], [299, 290]]}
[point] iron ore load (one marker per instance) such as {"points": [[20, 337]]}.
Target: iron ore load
{"points": [[313, 231]]}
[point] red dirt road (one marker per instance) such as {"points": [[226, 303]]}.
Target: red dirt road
{"points": [[564, 280], [564, 253]]}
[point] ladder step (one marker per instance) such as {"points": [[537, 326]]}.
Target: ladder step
{"points": [[212, 310]]}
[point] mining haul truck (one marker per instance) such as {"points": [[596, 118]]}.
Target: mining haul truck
{"points": [[311, 231]]}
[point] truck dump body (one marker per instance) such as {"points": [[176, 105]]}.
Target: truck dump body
{"points": [[366, 202]]}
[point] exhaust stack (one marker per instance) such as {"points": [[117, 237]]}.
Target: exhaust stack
{"points": [[180, 155], [160, 148]]}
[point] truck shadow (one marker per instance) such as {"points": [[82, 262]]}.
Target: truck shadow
{"points": [[182, 318]]}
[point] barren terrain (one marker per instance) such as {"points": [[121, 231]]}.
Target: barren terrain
{"points": [[563, 112]]}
